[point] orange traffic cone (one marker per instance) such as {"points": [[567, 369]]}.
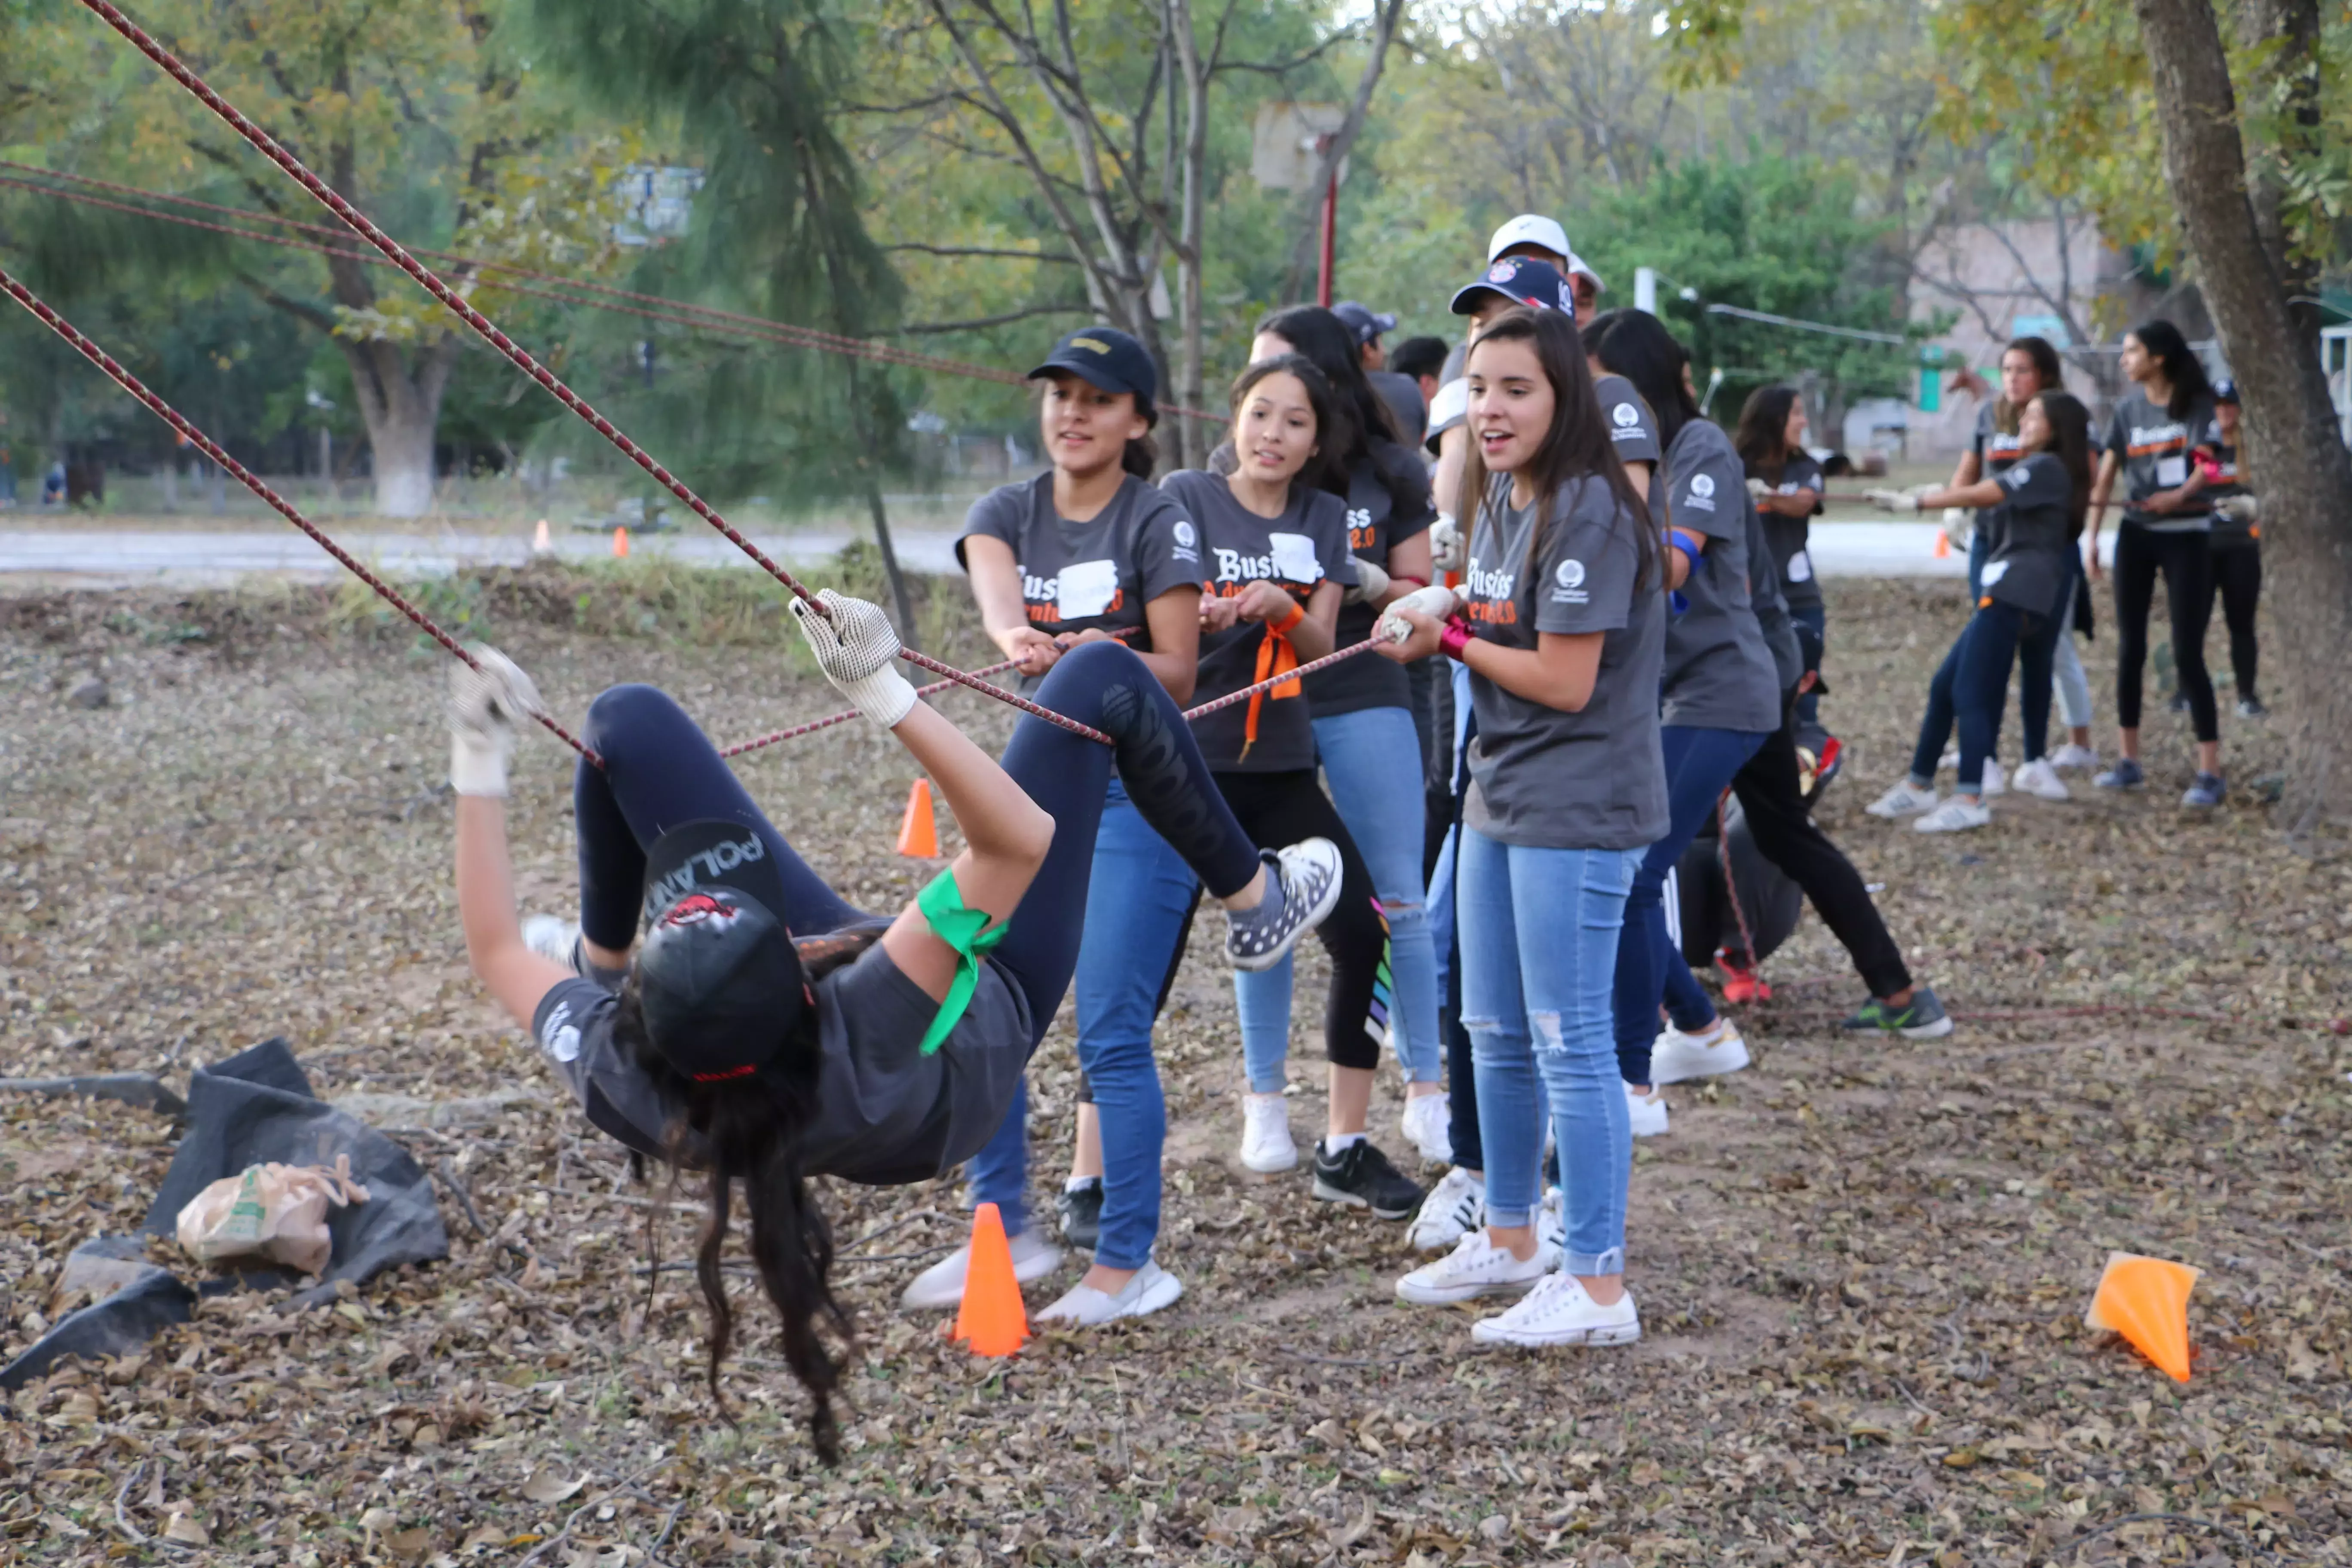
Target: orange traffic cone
{"points": [[620, 543], [2146, 1299], [993, 1318], [918, 836], [1943, 544], [539, 543]]}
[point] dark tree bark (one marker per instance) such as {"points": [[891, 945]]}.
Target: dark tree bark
{"points": [[2296, 462]]}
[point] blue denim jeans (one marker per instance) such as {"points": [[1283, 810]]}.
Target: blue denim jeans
{"points": [[1372, 766], [1539, 936], [1699, 767], [1809, 706], [1970, 689], [1136, 904]]}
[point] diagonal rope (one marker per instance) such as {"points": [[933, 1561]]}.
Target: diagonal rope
{"points": [[1285, 678], [846, 714], [521, 358]]}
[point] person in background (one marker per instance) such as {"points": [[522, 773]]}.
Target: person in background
{"points": [[1423, 360], [2152, 443], [1787, 484], [2237, 547], [1407, 412]]}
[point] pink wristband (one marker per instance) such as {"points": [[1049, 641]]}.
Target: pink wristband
{"points": [[1455, 638]]}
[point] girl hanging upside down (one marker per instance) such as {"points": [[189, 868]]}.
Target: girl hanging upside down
{"points": [[884, 1055]]}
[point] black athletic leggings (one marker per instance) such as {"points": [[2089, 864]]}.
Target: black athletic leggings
{"points": [[1772, 796], [2238, 572], [660, 771], [2186, 562]]}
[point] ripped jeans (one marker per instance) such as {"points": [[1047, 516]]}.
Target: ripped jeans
{"points": [[1539, 940]]}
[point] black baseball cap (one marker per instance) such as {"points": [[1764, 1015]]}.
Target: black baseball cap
{"points": [[1363, 321], [1521, 279], [719, 977], [2225, 390], [1106, 357]]}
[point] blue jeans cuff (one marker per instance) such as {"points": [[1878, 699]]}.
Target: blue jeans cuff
{"points": [[1588, 1264]]}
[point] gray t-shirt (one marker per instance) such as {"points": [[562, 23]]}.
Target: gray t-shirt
{"points": [[1403, 394], [2159, 453], [885, 1115], [2026, 555], [1594, 779], [1100, 573], [1790, 539], [1764, 591], [2225, 480], [1375, 527], [1305, 544], [1996, 450], [1720, 675]]}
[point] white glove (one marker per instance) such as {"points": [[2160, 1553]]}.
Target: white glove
{"points": [[1959, 525], [1448, 551], [1437, 603], [1758, 489], [857, 651], [484, 705], [2239, 508], [1896, 500], [1371, 583]]}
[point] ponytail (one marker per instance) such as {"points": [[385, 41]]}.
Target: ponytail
{"points": [[1141, 457]]}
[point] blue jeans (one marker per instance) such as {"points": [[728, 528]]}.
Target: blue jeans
{"points": [[1372, 765], [1971, 689], [1699, 767], [1980, 552], [1138, 898], [1539, 942], [1809, 706]]}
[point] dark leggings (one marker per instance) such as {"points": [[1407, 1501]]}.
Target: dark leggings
{"points": [[2186, 562], [2238, 572], [661, 770], [1971, 688], [1772, 798]]}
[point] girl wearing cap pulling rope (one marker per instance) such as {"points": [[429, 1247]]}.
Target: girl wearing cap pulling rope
{"points": [[882, 1054]]}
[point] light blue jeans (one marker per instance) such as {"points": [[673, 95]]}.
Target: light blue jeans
{"points": [[1136, 904], [1539, 930], [1371, 764]]}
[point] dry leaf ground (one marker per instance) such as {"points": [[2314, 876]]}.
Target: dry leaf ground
{"points": [[1862, 1267]]}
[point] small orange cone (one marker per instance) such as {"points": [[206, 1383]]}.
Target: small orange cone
{"points": [[992, 1318], [2146, 1299], [1943, 544], [918, 836], [539, 543]]}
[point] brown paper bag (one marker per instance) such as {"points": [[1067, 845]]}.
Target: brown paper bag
{"points": [[275, 1212]]}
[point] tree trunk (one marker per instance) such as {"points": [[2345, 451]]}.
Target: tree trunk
{"points": [[400, 399], [1385, 17], [2294, 460]]}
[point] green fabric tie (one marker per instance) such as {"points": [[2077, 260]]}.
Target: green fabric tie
{"points": [[966, 931]]}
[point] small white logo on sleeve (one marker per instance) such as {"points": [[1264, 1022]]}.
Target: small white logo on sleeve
{"points": [[1625, 417], [1569, 574], [1702, 484], [562, 1040], [1185, 536]]}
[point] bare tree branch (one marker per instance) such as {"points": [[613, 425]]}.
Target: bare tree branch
{"points": [[921, 329], [984, 250]]}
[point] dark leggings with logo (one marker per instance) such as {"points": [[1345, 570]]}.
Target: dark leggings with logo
{"points": [[2185, 558], [660, 771]]}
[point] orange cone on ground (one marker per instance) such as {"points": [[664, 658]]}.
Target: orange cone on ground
{"points": [[620, 543], [918, 836], [539, 543], [1943, 544], [993, 1318], [2146, 1299]]}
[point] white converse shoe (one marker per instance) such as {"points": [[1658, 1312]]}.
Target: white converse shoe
{"points": [[1266, 1145], [1454, 1207], [2070, 755], [1677, 1058], [941, 1285], [1956, 815], [1905, 799], [1476, 1268], [2039, 778], [1428, 1126], [1082, 1305], [1646, 1112], [1558, 1312], [1994, 781]]}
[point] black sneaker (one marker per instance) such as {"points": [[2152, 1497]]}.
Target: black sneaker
{"points": [[1362, 1176], [2252, 708], [1923, 1018], [1081, 1210], [2179, 703]]}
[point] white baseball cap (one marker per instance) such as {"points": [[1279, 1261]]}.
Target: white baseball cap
{"points": [[1579, 266], [1528, 228]]}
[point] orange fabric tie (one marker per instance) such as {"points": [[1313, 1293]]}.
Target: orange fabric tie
{"points": [[1275, 655]]}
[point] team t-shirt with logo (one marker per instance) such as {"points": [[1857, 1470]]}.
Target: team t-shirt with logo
{"points": [[1539, 777], [1718, 673], [1306, 544], [1375, 527], [2221, 479], [2158, 453], [1790, 539], [1100, 572], [1996, 449], [2027, 556]]}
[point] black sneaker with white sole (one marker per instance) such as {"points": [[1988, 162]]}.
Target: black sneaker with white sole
{"points": [[1080, 1208], [1302, 888], [1361, 1176]]}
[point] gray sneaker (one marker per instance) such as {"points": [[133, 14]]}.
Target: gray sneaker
{"points": [[1302, 889], [2125, 774], [2205, 790]]}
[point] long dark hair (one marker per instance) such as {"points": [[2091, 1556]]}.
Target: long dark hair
{"points": [[1328, 343], [1575, 448], [2182, 368], [1763, 437], [2070, 443], [1327, 469], [751, 1131], [1636, 345], [2047, 369]]}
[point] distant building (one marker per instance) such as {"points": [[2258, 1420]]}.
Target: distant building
{"points": [[660, 201]]}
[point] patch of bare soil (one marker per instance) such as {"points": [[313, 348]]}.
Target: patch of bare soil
{"points": [[1862, 1264]]}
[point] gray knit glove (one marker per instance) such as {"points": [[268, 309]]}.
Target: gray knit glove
{"points": [[484, 707], [857, 650]]}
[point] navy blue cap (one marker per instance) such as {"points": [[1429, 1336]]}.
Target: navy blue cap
{"points": [[1523, 281], [2225, 390], [1363, 321], [718, 979], [1105, 357]]}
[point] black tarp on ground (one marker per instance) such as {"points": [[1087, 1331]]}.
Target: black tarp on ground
{"points": [[151, 1301]]}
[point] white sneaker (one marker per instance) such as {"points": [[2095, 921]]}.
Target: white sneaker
{"points": [[1677, 1058], [1646, 1113], [1994, 781], [1476, 1268], [941, 1285], [2039, 779], [1428, 1125], [1954, 816], [2070, 755], [1904, 799], [1454, 1207], [1266, 1146], [1558, 1312], [1551, 1221], [1082, 1305], [1950, 759], [555, 939]]}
